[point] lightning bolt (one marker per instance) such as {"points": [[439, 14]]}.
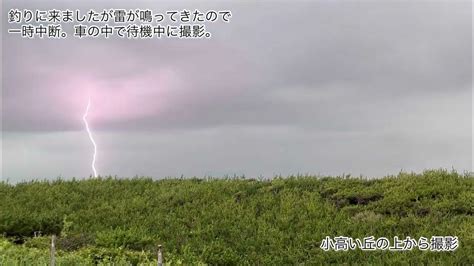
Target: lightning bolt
{"points": [[84, 118]]}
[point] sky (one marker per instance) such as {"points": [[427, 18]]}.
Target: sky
{"points": [[287, 87]]}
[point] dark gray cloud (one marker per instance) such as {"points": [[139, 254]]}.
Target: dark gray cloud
{"points": [[374, 51]]}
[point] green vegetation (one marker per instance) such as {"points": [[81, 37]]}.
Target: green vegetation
{"points": [[234, 220]]}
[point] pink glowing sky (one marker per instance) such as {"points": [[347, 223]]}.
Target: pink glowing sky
{"points": [[124, 84]]}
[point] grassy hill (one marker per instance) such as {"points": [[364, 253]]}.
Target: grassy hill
{"points": [[235, 221]]}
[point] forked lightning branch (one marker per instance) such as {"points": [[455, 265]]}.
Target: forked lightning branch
{"points": [[86, 123]]}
